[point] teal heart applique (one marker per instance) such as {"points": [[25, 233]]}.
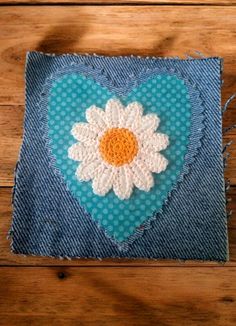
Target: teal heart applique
{"points": [[164, 95]]}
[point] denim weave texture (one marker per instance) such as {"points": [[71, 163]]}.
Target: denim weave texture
{"points": [[191, 222]]}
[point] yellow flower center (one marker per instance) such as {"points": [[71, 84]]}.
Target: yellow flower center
{"points": [[118, 146]]}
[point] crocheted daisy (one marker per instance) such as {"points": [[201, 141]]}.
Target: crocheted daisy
{"points": [[118, 148]]}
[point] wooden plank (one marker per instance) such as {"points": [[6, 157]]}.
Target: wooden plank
{"points": [[7, 258], [118, 296], [11, 130], [124, 2], [113, 30]]}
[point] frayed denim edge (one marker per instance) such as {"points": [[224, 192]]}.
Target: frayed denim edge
{"points": [[144, 258], [11, 230], [187, 57]]}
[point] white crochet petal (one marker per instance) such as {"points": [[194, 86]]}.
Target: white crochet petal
{"points": [[123, 183], [136, 172], [103, 181], [87, 170], [142, 177], [114, 113], [79, 152], [155, 142], [149, 124], [84, 132], [133, 114], [156, 162], [96, 117]]}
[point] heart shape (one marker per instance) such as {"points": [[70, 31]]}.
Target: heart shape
{"points": [[163, 94]]}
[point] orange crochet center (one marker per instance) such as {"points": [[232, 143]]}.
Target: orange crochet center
{"points": [[118, 146]]}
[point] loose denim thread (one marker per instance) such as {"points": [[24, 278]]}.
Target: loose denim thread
{"points": [[227, 145], [225, 159], [227, 199], [196, 128], [227, 103], [226, 153], [224, 109], [226, 130]]}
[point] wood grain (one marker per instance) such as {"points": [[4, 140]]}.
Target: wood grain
{"points": [[98, 296], [113, 30], [11, 123], [7, 258], [124, 2]]}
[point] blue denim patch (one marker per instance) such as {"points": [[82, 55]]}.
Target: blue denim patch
{"points": [[49, 219]]}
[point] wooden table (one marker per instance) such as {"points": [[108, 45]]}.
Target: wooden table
{"points": [[43, 291]]}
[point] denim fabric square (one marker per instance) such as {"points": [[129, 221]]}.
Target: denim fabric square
{"points": [[121, 157]]}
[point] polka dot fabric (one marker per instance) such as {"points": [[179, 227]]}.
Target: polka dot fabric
{"points": [[165, 95]]}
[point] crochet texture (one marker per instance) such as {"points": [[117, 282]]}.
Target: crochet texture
{"points": [[118, 148]]}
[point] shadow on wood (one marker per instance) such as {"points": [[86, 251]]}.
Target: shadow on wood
{"points": [[61, 38]]}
